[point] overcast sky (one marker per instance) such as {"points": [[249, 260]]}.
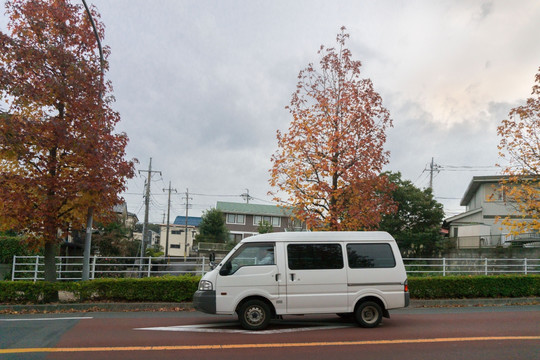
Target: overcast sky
{"points": [[202, 86]]}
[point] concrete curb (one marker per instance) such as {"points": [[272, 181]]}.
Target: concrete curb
{"points": [[187, 306]]}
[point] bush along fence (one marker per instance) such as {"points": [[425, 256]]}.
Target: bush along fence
{"points": [[182, 288], [159, 289]]}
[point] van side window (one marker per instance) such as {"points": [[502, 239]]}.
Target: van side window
{"points": [[362, 256], [249, 255], [314, 256]]}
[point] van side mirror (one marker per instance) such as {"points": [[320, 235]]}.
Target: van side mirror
{"points": [[212, 257]]}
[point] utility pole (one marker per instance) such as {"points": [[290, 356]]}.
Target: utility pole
{"points": [[168, 220], [146, 204], [246, 196], [187, 209], [432, 168]]}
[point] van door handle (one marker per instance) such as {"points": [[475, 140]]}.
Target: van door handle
{"points": [[292, 277], [278, 276]]}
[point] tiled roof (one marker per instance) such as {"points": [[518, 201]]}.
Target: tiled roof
{"points": [[252, 209]]}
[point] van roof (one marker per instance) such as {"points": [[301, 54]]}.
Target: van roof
{"points": [[322, 236]]}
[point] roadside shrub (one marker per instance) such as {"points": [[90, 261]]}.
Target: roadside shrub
{"points": [[27, 292], [165, 288], [464, 287], [182, 288]]}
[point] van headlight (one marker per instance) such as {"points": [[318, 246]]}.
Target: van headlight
{"points": [[205, 285]]}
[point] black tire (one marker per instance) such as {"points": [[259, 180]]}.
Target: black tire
{"points": [[368, 314], [254, 315]]}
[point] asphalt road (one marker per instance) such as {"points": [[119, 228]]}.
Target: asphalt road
{"points": [[510, 332]]}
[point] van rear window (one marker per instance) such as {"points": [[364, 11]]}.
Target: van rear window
{"points": [[314, 256], [362, 256]]}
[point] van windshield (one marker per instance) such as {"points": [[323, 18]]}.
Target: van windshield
{"points": [[250, 254]]}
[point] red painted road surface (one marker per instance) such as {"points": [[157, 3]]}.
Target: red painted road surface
{"points": [[455, 334]]}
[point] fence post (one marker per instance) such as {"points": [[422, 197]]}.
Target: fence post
{"points": [[13, 268], [525, 265], [149, 265], [36, 268], [485, 266], [202, 268], [443, 266], [94, 259]]}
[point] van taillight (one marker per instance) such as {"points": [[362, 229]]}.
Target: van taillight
{"points": [[406, 287]]}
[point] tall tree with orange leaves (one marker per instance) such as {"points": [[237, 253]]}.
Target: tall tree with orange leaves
{"points": [[520, 145], [59, 153], [327, 166]]}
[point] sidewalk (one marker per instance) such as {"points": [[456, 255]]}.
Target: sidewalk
{"points": [[187, 306]]}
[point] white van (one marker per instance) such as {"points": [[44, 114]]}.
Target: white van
{"points": [[358, 274]]}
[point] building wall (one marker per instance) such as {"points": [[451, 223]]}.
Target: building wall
{"points": [[177, 239]]}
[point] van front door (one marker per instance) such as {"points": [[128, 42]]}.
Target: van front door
{"points": [[251, 270], [316, 278]]}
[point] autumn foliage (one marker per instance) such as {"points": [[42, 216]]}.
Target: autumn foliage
{"points": [[327, 166], [520, 145], [59, 153]]}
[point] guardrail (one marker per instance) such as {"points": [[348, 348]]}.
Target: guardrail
{"points": [[70, 267], [464, 266]]}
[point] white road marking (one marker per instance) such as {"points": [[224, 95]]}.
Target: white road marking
{"points": [[43, 319], [218, 328]]}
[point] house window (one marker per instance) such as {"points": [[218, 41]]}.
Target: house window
{"points": [[175, 246], [495, 193], [177, 232], [236, 219], [273, 220]]}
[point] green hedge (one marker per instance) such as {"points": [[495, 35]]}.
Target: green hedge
{"points": [[182, 288], [465, 287], [166, 288]]}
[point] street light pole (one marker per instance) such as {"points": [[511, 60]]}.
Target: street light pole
{"points": [[90, 216]]}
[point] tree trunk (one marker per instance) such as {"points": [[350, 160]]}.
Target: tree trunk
{"points": [[50, 262]]}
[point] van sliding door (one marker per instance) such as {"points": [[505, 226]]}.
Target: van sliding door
{"points": [[316, 278]]}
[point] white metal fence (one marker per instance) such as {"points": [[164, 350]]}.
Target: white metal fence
{"points": [[70, 267], [464, 266]]}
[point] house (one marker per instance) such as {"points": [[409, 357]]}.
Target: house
{"points": [[243, 219], [126, 218], [152, 237], [477, 227], [181, 237]]}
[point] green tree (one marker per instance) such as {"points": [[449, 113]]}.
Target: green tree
{"points": [[212, 227], [417, 222], [264, 227], [155, 250]]}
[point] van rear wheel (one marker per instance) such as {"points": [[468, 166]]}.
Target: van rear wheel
{"points": [[254, 315], [368, 314]]}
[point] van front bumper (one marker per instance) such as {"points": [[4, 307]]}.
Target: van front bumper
{"points": [[205, 301]]}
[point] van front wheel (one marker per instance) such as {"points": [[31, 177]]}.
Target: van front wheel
{"points": [[368, 314], [254, 315]]}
